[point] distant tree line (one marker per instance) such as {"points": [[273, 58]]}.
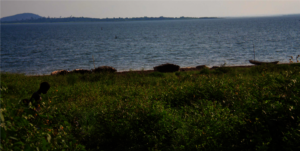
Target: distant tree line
{"points": [[86, 19]]}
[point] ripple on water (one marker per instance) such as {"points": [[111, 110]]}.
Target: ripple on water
{"points": [[26, 48]]}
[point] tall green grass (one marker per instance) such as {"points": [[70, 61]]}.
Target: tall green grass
{"points": [[253, 108]]}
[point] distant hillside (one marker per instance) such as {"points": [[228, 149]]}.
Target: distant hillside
{"points": [[20, 17]]}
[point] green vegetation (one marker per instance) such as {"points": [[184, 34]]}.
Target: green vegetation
{"points": [[223, 109]]}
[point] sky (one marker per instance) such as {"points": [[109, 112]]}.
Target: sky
{"points": [[150, 8]]}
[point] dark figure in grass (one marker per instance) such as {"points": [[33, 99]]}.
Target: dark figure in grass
{"points": [[36, 99], [36, 96]]}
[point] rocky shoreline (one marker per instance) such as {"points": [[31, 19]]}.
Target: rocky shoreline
{"points": [[161, 68]]}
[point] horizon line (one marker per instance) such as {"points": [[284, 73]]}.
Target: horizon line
{"points": [[166, 16]]}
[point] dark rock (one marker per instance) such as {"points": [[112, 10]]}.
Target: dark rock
{"points": [[59, 72], [167, 68], [82, 71], [201, 67], [187, 69], [104, 69]]}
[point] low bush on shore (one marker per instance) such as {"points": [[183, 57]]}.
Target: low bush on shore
{"points": [[253, 108]]}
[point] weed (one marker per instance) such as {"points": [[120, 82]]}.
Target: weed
{"points": [[226, 109]]}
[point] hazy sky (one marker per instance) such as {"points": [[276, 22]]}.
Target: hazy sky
{"points": [[150, 8]]}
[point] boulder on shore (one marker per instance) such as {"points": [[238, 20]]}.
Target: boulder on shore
{"points": [[201, 67], [104, 69], [59, 72], [187, 69], [82, 71], [167, 68]]}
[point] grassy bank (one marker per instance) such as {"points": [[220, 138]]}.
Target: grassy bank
{"points": [[223, 109]]}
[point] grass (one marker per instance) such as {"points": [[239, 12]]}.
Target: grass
{"points": [[223, 109]]}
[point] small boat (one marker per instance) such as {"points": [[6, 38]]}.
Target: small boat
{"points": [[260, 62]]}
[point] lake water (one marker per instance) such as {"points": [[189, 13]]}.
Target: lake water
{"points": [[42, 48]]}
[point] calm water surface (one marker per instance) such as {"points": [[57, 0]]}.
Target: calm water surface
{"points": [[42, 48]]}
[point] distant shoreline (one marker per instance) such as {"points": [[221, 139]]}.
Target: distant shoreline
{"points": [[82, 20]]}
